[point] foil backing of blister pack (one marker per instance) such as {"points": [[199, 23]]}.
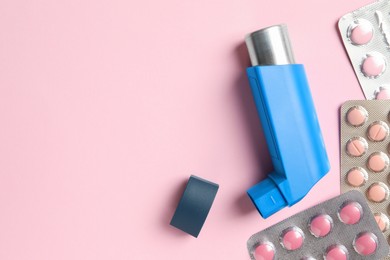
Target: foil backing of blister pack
{"points": [[367, 52], [314, 247]]}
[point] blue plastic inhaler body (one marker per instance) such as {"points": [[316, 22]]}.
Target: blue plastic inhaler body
{"points": [[286, 109]]}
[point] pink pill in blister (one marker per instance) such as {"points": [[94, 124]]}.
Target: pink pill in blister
{"points": [[365, 243], [382, 93], [378, 162], [336, 252], [265, 251], [321, 225], [378, 131], [373, 65], [357, 116], [357, 146], [382, 220], [350, 213], [357, 177], [360, 32], [292, 238], [378, 192]]}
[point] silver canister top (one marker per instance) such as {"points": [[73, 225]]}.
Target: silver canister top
{"points": [[270, 46]]}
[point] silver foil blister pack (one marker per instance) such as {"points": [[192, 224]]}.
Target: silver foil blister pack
{"points": [[340, 228], [365, 33], [365, 149]]}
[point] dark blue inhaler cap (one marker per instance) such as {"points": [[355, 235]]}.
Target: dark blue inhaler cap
{"points": [[194, 205]]}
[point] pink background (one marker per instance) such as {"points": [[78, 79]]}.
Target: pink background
{"points": [[107, 107]]}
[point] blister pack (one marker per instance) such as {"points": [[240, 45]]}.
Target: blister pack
{"points": [[341, 228], [365, 155], [366, 36]]}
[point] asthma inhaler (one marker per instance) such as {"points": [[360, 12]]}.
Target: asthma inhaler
{"points": [[286, 109]]}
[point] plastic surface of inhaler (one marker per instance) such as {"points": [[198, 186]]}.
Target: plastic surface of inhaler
{"points": [[285, 106]]}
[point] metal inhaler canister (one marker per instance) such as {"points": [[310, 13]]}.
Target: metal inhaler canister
{"points": [[286, 109]]}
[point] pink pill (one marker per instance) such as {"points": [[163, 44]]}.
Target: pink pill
{"points": [[373, 65], [378, 162], [357, 177], [378, 192], [292, 238], [365, 243], [378, 131], [361, 32], [350, 213], [382, 220], [357, 116], [356, 146], [336, 252], [382, 93], [265, 251], [321, 225]]}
